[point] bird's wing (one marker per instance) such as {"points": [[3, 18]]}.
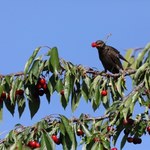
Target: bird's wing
{"points": [[117, 52], [113, 49], [114, 55]]}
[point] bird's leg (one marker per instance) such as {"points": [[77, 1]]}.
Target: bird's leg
{"points": [[104, 72]]}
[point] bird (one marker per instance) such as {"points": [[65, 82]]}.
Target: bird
{"points": [[109, 56]]}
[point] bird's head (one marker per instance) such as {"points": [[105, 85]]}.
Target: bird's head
{"points": [[98, 44]]}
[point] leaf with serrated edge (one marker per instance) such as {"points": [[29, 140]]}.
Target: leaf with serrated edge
{"points": [[124, 139], [54, 64], [70, 131], [47, 142], [141, 55], [29, 62], [127, 57], [86, 131]]}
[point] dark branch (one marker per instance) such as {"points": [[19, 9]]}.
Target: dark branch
{"points": [[125, 73]]}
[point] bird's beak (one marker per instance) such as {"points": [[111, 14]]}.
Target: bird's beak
{"points": [[94, 44]]}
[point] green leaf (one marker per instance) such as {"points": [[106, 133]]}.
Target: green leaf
{"points": [[97, 96], [113, 89], [66, 142], [21, 105], [141, 56], [34, 70], [46, 142], [147, 80], [67, 127], [19, 145], [117, 134], [88, 146], [54, 64], [70, 131], [51, 84], [68, 87], [75, 99], [140, 72], [85, 88], [1, 89], [1, 109], [135, 97], [106, 144], [128, 57], [59, 85], [119, 85], [48, 96], [64, 102], [29, 62], [96, 146], [10, 106], [95, 91], [86, 131], [97, 81], [17, 83], [34, 105], [123, 142]]}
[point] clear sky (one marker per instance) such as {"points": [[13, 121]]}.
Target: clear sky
{"points": [[71, 25]]}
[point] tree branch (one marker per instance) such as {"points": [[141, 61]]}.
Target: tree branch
{"points": [[49, 120], [21, 73], [137, 88], [87, 70], [125, 73]]}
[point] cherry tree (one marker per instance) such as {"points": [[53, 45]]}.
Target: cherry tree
{"points": [[47, 73]]}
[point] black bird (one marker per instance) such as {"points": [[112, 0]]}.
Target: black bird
{"points": [[109, 56]]}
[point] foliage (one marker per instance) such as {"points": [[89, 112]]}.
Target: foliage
{"points": [[73, 82]]}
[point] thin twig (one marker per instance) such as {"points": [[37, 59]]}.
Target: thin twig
{"points": [[137, 88], [21, 73], [86, 118]]}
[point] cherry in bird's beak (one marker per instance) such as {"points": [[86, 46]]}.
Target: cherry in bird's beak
{"points": [[94, 44]]}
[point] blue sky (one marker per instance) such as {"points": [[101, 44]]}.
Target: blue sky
{"points": [[71, 26]]}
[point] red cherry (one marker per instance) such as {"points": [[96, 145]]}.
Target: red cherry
{"points": [[42, 81], [94, 44], [128, 121], [80, 132], [3, 95], [56, 139], [96, 139], [1, 100], [44, 86], [104, 93], [131, 121], [41, 92], [148, 129], [19, 92], [37, 145], [114, 148], [130, 139], [38, 86], [125, 122], [62, 92], [137, 140], [110, 128], [32, 144]]}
